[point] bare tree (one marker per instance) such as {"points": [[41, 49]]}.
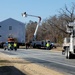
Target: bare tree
{"points": [[30, 29], [68, 13]]}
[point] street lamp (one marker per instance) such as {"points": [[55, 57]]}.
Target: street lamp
{"points": [[25, 15]]}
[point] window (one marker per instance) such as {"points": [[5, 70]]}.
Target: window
{"points": [[10, 27], [0, 26]]}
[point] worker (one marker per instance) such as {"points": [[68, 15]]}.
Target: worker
{"points": [[47, 45], [15, 46], [27, 45], [9, 46]]}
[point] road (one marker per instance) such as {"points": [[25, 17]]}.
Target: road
{"points": [[47, 58]]}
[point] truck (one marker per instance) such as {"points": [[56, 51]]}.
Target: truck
{"points": [[69, 43], [66, 43], [38, 44], [35, 43], [42, 44]]}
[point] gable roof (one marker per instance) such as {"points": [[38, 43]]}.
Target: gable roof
{"points": [[11, 21]]}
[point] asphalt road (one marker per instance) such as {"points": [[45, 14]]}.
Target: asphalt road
{"points": [[47, 58]]}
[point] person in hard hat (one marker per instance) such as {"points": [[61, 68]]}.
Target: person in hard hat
{"points": [[47, 45], [27, 44], [9, 46], [15, 46]]}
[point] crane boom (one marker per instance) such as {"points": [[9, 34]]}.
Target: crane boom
{"points": [[35, 33]]}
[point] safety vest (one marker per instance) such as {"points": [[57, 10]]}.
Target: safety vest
{"points": [[47, 45], [15, 44], [9, 45]]}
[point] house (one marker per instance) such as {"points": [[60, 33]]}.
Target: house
{"points": [[12, 28]]}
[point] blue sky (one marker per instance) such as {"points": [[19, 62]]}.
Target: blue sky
{"points": [[43, 8]]}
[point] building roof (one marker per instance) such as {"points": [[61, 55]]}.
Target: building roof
{"points": [[11, 21]]}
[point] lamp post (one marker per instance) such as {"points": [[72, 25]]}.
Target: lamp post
{"points": [[25, 15]]}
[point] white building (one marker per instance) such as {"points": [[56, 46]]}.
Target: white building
{"points": [[14, 28]]}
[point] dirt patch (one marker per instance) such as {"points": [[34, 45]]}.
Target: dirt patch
{"points": [[17, 66]]}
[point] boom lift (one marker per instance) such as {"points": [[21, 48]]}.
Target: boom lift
{"points": [[34, 42], [25, 15]]}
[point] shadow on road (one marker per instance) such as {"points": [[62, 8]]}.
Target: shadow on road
{"points": [[10, 70]]}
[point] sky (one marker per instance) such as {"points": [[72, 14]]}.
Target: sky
{"points": [[43, 8]]}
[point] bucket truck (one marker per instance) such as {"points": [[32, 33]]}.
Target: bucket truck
{"points": [[34, 42], [69, 46], [25, 15]]}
